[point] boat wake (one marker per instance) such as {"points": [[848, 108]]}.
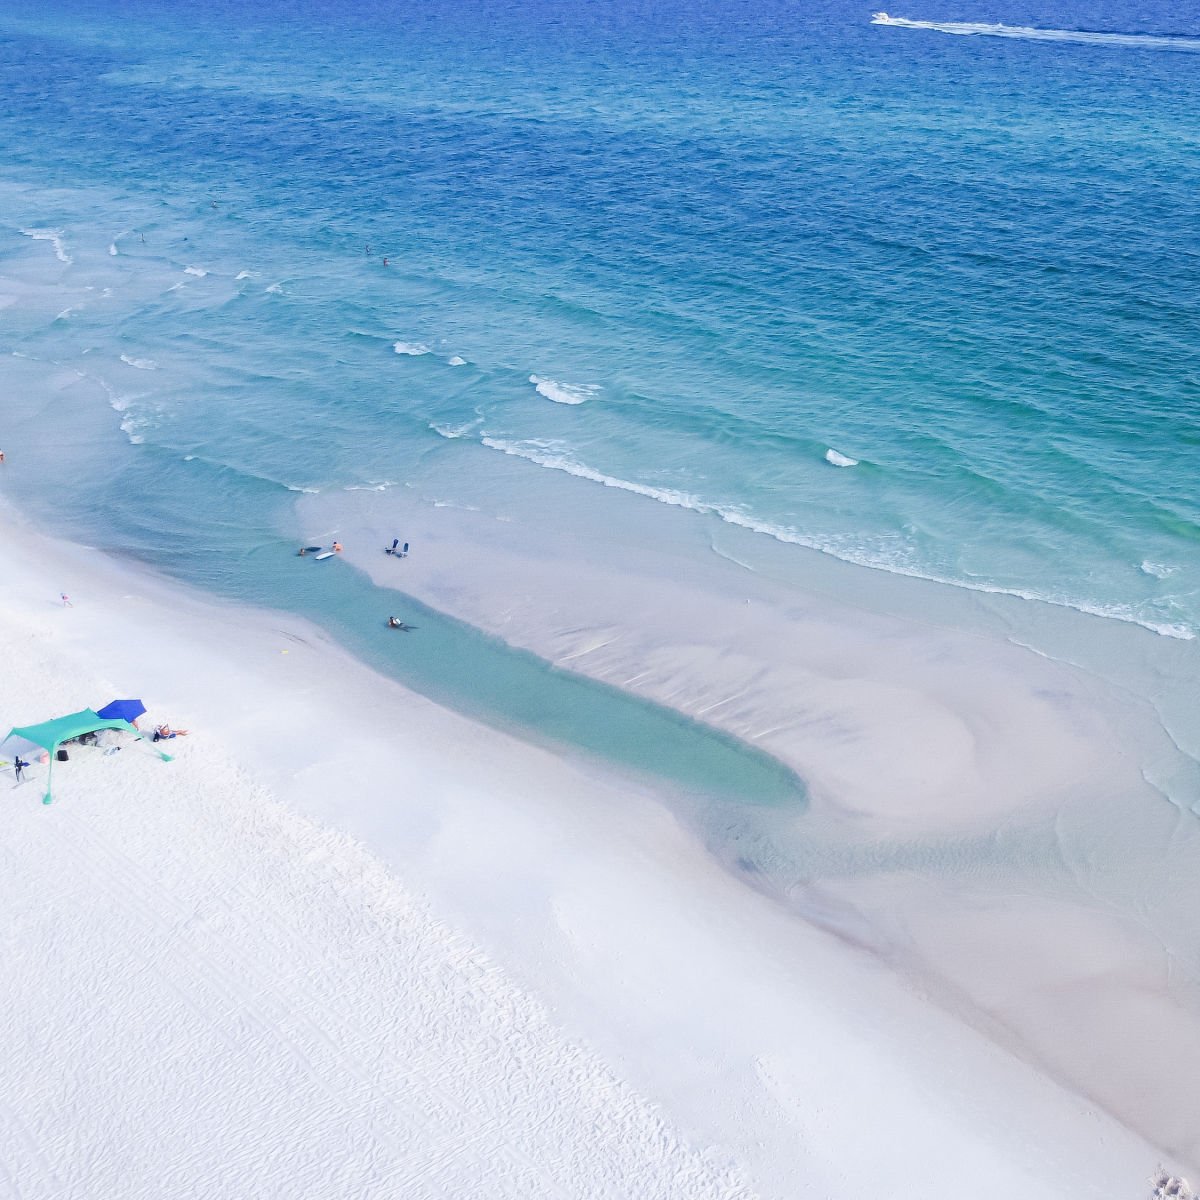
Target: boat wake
{"points": [[1139, 41]]}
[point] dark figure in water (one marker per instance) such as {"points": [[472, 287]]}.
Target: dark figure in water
{"points": [[396, 623]]}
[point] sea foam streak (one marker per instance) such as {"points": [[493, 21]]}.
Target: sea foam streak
{"points": [[416, 349], [561, 393], [839, 460], [142, 364], [1142, 41], [54, 237]]}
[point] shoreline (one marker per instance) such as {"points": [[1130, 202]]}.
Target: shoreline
{"points": [[982, 777], [589, 894]]}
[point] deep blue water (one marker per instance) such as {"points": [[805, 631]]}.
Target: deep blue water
{"points": [[731, 238]]}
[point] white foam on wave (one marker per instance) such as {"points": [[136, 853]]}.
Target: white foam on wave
{"points": [[1158, 570], [416, 349], [454, 431], [199, 272], [62, 316], [276, 289], [243, 275], [112, 249], [142, 364], [557, 457], [370, 487], [130, 424], [562, 393], [55, 238], [839, 460], [457, 360], [1138, 41], [291, 487]]}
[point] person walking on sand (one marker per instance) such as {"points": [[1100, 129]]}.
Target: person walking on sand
{"points": [[19, 765], [67, 601], [1, 456]]}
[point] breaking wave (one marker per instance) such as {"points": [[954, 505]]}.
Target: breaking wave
{"points": [[451, 432], [839, 460], [557, 457], [562, 393], [54, 237], [142, 364], [414, 348], [1157, 570], [1082, 37]]}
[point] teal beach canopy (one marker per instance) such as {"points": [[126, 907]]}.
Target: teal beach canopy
{"points": [[51, 734]]}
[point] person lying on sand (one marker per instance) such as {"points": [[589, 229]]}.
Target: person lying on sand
{"points": [[162, 732]]}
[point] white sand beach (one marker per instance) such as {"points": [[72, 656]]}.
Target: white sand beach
{"points": [[998, 809], [349, 943]]}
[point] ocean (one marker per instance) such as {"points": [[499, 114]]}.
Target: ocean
{"points": [[918, 293]]}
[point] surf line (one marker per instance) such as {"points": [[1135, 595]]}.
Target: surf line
{"points": [[1081, 37]]}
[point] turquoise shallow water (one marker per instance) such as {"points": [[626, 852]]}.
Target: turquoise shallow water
{"points": [[712, 258], [682, 252]]}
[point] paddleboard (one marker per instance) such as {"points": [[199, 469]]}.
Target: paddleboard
{"points": [[323, 554]]}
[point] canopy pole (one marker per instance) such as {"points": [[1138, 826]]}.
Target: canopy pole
{"points": [[141, 737], [49, 773]]}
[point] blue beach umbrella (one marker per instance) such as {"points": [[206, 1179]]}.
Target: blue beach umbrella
{"points": [[122, 710]]}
